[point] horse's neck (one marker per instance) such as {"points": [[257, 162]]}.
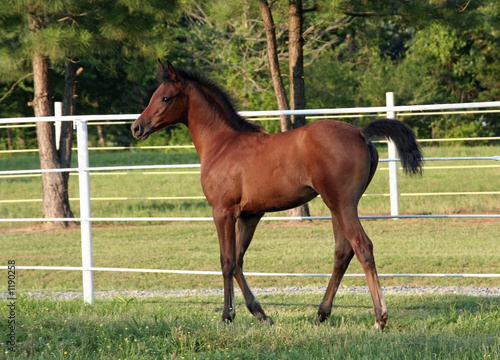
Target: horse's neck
{"points": [[209, 132]]}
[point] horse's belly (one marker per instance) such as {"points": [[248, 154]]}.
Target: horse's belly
{"points": [[277, 200]]}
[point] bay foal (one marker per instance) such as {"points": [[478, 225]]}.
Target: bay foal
{"points": [[246, 173]]}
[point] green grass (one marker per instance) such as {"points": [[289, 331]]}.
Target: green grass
{"points": [[401, 246], [420, 327], [156, 183]]}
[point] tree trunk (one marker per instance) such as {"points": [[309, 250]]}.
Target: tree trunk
{"points": [[9, 141], [100, 128], [296, 69], [68, 108], [55, 201], [102, 135], [279, 88], [274, 67], [296, 61]]}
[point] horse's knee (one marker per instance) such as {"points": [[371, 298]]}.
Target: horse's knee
{"points": [[362, 244], [228, 266]]}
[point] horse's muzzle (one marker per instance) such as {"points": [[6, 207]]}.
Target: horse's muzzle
{"points": [[138, 131]]}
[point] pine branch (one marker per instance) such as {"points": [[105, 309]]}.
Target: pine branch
{"points": [[462, 8], [14, 86], [71, 18], [359, 14]]}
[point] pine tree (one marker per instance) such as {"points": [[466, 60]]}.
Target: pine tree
{"points": [[39, 35]]}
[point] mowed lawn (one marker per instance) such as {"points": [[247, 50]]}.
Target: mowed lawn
{"points": [[400, 246]]}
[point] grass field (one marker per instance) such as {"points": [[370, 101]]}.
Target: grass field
{"points": [[135, 184], [420, 327], [409, 246], [402, 246]]}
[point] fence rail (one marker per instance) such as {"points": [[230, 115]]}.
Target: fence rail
{"points": [[165, 147], [22, 173], [200, 272], [83, 170]]}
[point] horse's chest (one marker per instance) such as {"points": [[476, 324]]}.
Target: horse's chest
{"points": [[221, 185]]}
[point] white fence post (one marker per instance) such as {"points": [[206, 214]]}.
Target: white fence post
{"points": [[86, 224], [393, 165], [57, 124]]}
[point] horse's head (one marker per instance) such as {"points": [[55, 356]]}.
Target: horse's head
{"points": [[168, 105]]}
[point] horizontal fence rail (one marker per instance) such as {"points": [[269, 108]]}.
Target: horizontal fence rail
{"points": [[109, 169], [199, 272], [184, 166], [166, 147], [378, 110], [268, 218], [84, 170], [202, 197]]}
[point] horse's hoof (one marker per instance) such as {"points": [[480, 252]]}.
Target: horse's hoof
{"points": [[227, 319], [381, 322], [264, 318], [269, 321], [319, 319], [322, 316]]}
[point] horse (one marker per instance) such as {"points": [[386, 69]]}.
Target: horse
{"points": [[246, 172]]}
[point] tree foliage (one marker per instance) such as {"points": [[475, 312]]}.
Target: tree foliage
{"points": [[433, 51], [115, 42]]}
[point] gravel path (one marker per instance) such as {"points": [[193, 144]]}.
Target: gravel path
{"points": [[396, 290]]}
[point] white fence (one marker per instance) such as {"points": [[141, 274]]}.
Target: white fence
{"points": [[85, 207]]}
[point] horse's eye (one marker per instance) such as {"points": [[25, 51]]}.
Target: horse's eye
{"points": [[166, 99]]}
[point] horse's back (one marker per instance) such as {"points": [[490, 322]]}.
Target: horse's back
{"points": [[269, 172], [338, 158], [334, 142]]}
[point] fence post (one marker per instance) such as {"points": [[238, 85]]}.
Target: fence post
{"points": [[57, 124], [393, 165], [86, 224]]}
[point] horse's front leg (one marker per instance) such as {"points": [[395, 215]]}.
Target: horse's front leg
{"points": [[225, 224]]}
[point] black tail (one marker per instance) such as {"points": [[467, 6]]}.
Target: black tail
{"points": [[403, 137]]}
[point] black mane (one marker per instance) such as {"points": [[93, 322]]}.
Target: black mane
{"points": [[220, 98]]}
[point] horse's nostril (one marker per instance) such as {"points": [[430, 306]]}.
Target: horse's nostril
{"points": [[136, 129]]}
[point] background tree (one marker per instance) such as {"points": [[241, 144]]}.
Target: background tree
{"points": [[296, 70], [274, 66], [60, 32], [55, 200], [353, 52], [422, 51], [296, 60]]}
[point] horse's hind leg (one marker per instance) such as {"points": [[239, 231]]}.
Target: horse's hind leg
{"points": [[244, 233], [363, 248], [343, 255]]}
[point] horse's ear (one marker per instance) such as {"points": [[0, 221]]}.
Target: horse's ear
{"points": [[162, 67], [172, 72]]}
